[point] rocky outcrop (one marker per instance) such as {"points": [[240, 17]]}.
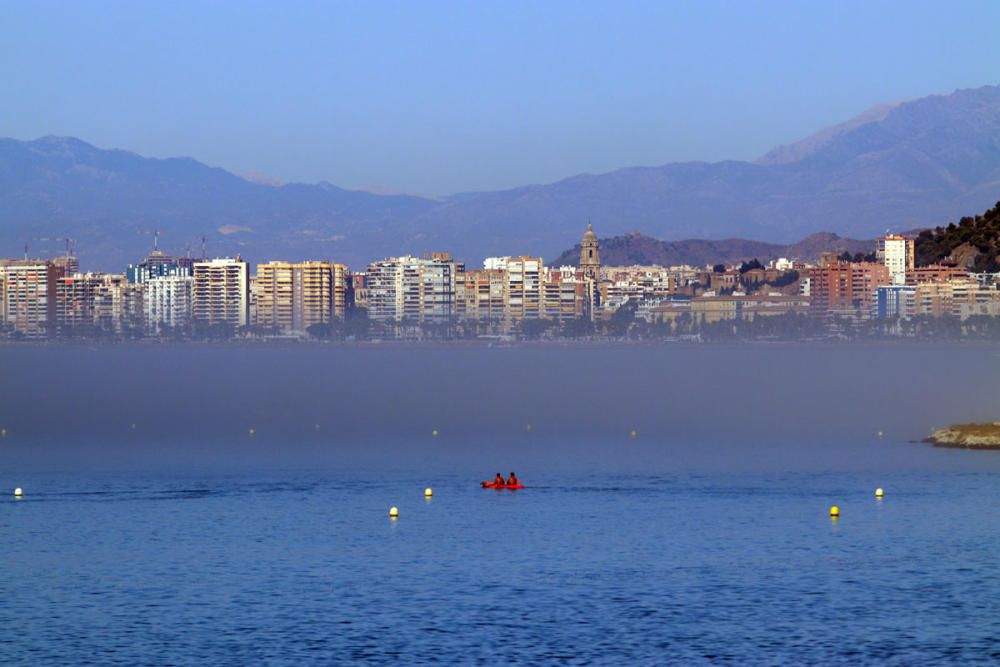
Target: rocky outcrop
{"points": [[970, 436]]}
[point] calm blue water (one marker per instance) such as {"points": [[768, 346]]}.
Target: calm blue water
{"points": [[638, 569], [155, 531]]}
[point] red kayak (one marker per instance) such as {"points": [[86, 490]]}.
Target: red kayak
{"points": [[494, 485]]}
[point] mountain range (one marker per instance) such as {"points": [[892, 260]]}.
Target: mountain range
{"points": [[897, 166]]}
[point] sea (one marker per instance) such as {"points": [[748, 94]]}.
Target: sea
{"points": [[229, 505]]}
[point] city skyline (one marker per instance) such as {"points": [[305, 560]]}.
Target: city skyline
{"points": [[440, 297]]}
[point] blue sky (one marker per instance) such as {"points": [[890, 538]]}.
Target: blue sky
{"points": [[442, 97]]}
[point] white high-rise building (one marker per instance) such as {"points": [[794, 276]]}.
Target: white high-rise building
{"points": [[417, 289], [221, 292], [896, 252], [167, 302]]}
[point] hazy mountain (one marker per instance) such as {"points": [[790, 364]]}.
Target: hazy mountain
{"points": [[636, 248], [111, 201], [903, 166], [900, 166]]}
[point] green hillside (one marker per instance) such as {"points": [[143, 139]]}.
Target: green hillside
{"points": [[974, 243]]}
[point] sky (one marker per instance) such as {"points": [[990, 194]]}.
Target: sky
{"points": [[444, 97]]}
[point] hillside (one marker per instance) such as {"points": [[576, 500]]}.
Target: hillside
{"points": [[899, 166], [636, 248], [974, 243]]}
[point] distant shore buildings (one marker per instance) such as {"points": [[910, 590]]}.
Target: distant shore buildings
{"points": [[163, 296]]}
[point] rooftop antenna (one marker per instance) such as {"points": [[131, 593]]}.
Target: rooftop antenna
{"points": [[26, 250], [203, 255], [156, 240], [188, 251]]}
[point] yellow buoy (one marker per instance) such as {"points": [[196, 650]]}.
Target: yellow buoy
{"points": [[393, 513], [879, 492], [834, 512], [634, 434], [18, 492], [428, 492]]}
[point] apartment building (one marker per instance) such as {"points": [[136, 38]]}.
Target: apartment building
{"points": [[412, 288], [221, 292], [291, 297]]}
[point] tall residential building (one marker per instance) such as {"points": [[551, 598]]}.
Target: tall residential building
{"points": [[479, 294], [221, 292], [29, 297], [167, 303], [566, 294], [590, 255], [411, 288], [294, 296], [846, 289], [525, 290], [896, 252], [89, 303]]}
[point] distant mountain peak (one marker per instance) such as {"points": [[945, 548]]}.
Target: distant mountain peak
{"points": [[803, 148]]}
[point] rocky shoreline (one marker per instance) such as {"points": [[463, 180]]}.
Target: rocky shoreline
{"points": [[967, 436]]}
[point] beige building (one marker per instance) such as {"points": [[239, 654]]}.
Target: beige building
{"points": [[958, 298], [221, 292], [479, 294], [291, 297]]}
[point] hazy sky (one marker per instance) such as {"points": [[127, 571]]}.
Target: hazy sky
{"points": [[441, 97]]}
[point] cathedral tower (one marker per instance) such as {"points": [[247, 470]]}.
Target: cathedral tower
{"points": [[590, 255]]}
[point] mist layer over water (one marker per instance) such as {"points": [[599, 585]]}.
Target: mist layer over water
{"points": [[554, 408], [155, 529]]}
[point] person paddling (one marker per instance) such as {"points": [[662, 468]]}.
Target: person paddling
{"points": [[512, 480], [499, 480]]}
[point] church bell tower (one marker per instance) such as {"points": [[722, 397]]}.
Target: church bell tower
{"points": [[590, 255]]}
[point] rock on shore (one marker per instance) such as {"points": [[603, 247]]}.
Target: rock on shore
{"points": [[971, 436]]}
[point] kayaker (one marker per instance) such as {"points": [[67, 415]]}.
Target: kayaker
{"points": [[499, 480], [512, 480]]}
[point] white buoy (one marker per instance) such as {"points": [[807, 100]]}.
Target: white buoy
{"points": [[434, 433], [18, 492]]}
